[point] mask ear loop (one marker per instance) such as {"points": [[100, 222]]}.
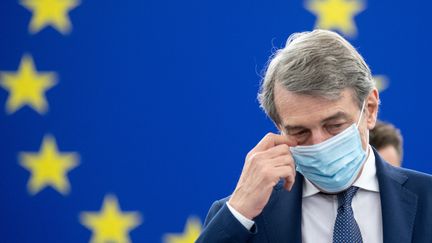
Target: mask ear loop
{"points": [[361, 114]]}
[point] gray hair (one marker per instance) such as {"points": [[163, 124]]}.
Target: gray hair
{"points": [[318, 63]]}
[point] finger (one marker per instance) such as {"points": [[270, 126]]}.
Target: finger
{"points": [[279, 150], [292, 141], [284, 160], [287, 173], [271, 140], [289, 183]]}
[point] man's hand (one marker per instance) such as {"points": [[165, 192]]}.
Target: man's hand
{"points": [[265, 165]]}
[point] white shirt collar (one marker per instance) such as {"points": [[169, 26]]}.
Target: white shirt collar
{"points": [[367, 180]]}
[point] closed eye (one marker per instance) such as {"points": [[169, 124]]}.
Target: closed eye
{"points": [[300, 133], [301, 136], [336, 125], [335, 128]]}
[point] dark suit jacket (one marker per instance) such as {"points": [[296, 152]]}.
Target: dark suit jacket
{"points": [[406, 202]]}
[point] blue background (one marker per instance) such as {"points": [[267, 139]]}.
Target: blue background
{"points": [[159, 100]]}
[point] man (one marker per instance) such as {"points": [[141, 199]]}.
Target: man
{"points": [[388, 141], [319, 180]]}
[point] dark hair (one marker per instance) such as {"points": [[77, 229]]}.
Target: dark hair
{"points": [[385, 134]]}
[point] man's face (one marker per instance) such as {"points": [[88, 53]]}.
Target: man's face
{"points": [[390, 154], [309, 120]]}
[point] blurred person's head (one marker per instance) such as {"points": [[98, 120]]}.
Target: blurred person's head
{"points": [[388, 141]]}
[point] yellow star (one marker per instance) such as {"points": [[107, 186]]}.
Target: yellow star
{"points": [[381, 81], [336, 14], [190, 234], [48, 167], [27, 86], [110, 225], [50, 13]]}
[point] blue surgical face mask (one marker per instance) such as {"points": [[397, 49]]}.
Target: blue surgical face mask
{"points": [[332, 165]]}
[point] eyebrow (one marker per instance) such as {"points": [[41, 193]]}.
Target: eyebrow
{"points": [[338, 115]]}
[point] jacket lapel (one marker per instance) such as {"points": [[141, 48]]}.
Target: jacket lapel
{"points": [[398, 204], [281, 217]]}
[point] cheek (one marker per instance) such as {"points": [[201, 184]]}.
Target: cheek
{"points": [[364, 135]]}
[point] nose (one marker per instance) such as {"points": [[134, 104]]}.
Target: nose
{"points": [[319, 136]]}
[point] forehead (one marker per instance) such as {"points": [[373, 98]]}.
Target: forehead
{"points": [[306, 110]]}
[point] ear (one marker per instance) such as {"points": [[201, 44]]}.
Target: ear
{"points": [[372, 106]]}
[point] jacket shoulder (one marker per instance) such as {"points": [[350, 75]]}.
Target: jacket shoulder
{"points": [[416, 179]]}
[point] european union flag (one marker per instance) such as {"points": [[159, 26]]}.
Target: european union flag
{"points": [[122, 121]]}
